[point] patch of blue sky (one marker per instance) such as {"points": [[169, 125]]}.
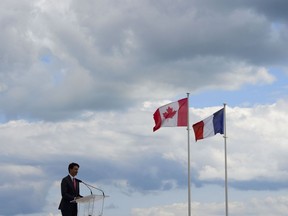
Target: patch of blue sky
{"points": [[57, 76], [47, 59], [3, 118], [246, 96]]}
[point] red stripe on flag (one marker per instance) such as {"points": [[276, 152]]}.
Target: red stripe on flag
{"points": [[198, 130], [157, 119], [183, 112]]}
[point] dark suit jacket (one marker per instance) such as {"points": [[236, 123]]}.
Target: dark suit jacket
{"points": [[68, 194]]}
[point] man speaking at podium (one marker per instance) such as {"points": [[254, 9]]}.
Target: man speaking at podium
{"points": [[70, 191]]}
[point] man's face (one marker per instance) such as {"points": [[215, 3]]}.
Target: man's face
{"points": [[73, 172]]}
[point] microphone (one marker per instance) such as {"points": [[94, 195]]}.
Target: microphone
{"points": [[78, 180], [90, 186]]}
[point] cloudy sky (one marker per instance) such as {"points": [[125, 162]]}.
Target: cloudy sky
{"points": [[80, 81]]}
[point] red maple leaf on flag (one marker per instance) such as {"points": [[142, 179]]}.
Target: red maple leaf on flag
{"points": [[169, 113]]}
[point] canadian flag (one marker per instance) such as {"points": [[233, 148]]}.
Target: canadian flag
{"points": [[174, 114]]}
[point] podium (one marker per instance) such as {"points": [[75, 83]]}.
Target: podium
{"points": [[86, 205]]}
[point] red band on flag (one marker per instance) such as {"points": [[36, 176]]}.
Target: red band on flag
{"points": [[198, 130]]}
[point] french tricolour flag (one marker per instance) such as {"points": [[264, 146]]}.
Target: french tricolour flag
{"points": [[210, 126], [174, 114]]}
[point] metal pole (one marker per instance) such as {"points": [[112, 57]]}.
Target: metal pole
{"points": [[225, 152], [189, 178]]}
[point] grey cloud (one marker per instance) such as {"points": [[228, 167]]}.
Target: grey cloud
{"points": [[59, 61], [259, 185], [274, 10], [21, 187]]}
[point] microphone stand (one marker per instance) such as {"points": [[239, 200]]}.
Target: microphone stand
{"points": [[87, 186], [91, 186]]}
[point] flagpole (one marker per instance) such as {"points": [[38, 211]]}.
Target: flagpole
{"points": [[225, 152], [189, 178]]}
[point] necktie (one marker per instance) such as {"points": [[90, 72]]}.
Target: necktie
{"points": [[74, 183]]}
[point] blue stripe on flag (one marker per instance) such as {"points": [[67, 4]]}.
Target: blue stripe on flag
{"points": [[218, 121]]}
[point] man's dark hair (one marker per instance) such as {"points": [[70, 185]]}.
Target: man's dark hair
{"points": [[72, 165]]}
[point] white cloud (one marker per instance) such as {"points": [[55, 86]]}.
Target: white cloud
{"points": [[130, 156]]}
